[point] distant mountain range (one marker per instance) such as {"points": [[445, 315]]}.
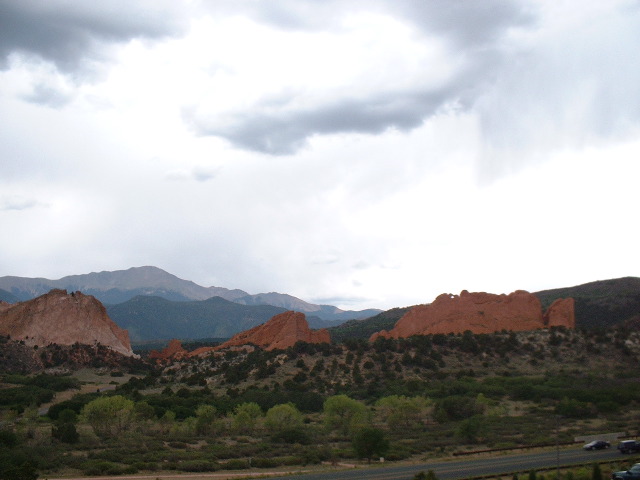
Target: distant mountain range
{"points": [[154, 304], [153, 318], [119, 286]]}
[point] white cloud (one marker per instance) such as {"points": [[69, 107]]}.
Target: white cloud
{"points": [[377, 155]]}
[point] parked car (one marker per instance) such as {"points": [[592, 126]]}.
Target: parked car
{"points": [[597, 445], [629, 446], [632, 474]]}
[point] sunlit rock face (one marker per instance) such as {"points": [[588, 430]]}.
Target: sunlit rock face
{"points": [[64, 319], [280, 332], [561, 313], [481, 313], [173, 351]]}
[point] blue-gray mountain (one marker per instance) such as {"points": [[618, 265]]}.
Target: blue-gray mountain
{"points": [[154, 318], [154, 304]]}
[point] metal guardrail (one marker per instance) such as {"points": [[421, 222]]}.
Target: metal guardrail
{"points": [[518, 447]]}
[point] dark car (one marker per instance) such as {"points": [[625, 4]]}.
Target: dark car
{"points": [[629, 446], [632, 474], [597, 445]]}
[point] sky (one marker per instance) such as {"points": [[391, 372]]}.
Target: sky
{"points": [[358, 153]]}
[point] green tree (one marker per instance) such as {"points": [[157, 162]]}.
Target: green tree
{"points": [[108, 416], [282, 417], [167, 421], [457, 407], [65, 432], [470, 429], [344, 414], [370, 442], [400, 412], [206, 416], [67, 416], [246, 416]]}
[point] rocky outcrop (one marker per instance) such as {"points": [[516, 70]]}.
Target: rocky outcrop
{"points": [[64, 319], [481, 313], [173, 351], [281, 332]]}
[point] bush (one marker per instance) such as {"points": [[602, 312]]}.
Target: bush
{"points": [[66, 433], [198, 466], [236, 464], [102, 467], [8, 438], [264, 462], [292, 435]]}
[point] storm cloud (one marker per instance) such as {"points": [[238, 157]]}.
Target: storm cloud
{"points": [[370, 153], [71, 35]]}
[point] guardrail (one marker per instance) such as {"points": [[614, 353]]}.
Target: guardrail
{"points": [[517, 447]]}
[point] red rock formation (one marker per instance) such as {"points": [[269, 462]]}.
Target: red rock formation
{"points": [[173, 351], [64, 319], [281, 332], [561, 313], [480, 313]]}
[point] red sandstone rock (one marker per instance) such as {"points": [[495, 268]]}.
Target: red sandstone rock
{"points": [[281, 332], [480, 313], [64, 319], [173, 351], [561, 313]]}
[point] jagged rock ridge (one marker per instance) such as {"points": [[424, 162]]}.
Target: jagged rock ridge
{"points": [[481, 313], [282, 331], [64, 319]]}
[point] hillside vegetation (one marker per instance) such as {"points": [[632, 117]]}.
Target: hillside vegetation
{"points": [[601, 304], [418, 398]]}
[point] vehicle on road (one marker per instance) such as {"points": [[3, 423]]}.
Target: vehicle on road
{"points": [[632, 474], [629, 446], [597, 445]]}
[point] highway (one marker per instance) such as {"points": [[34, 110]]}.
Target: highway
{"points": [[468, 468]]}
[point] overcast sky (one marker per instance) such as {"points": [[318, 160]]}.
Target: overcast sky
{"points": [[360, 153]]}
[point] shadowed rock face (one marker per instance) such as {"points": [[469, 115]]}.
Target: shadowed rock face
{"points": [[481, 313], [64, 319], [282, 331]]}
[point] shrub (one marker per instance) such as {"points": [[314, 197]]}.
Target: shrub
{"points": [[292, 435], [236, 464], [8, 438], [198, 466], [102, 467], [264, 462]]}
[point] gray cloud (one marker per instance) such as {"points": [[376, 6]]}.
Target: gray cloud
{"points": [[468, 25], [48, 95], [474, 32], [70, 34], [18, 203], [283, 131]]}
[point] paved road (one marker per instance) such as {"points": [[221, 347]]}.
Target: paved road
{"points": [[460, 469]]}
